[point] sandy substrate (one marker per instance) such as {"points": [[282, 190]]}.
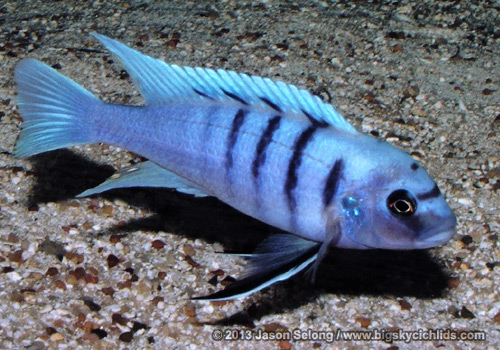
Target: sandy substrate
{"points": [[116, 271]]}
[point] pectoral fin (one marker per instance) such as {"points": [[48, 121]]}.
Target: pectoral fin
{"points": [[146, 174], [277, 258], [332, 236]]}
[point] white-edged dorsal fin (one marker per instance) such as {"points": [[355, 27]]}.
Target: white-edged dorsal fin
{"points": [[161, 83]]}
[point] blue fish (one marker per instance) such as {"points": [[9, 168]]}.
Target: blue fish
{"points": [[268, 149]]}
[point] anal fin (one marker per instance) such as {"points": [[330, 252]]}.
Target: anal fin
{"points": [[146, 174], [277, 258]]}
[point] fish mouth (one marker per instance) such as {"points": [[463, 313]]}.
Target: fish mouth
{"points": [[430, 240], [437, 236], [433, 237]]}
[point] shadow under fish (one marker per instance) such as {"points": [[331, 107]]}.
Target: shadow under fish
{"points": [[62, 174]]}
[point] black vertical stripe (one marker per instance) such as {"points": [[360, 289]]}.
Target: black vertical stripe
{"points": [[271, 104], [266, 138], [235, 97], [294, 165], [315, 121], [332, 182], [202, 94], [233, 135]]}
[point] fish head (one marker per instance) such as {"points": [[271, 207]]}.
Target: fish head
{"points": [[398, 207]]}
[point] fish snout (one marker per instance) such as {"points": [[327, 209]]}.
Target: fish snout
{"points": [[438, 235]]}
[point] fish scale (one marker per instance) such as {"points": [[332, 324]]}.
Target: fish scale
{"points": [[268, 149]]}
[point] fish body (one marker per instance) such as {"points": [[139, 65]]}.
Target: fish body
{"points": [[268, 149]]}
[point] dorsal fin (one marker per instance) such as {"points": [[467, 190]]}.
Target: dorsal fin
{"points": [[161, 83]]}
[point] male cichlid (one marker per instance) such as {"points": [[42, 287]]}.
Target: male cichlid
{"points": [[268, 149]]}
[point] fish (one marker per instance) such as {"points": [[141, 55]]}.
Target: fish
{"points": [[268, 149]]}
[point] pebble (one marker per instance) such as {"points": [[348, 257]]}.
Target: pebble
{"points": [[46, 308], [405, 305], [57, 337], [112, 260], [465, 201], [364, 322], [158, 244], [126, 337], [14, 276]]}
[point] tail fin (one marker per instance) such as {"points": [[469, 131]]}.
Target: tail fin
{"points": [[54, 109]]}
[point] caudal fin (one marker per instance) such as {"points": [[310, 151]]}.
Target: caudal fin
{"points": [[54, 109]]}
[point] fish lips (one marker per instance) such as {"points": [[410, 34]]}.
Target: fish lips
{"points": [[433, 237]]}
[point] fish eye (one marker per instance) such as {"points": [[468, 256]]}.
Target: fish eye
{"points": [[401, 203]]}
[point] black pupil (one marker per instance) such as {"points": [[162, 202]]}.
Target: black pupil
{"points": [[401, 203], [402, 206]]}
